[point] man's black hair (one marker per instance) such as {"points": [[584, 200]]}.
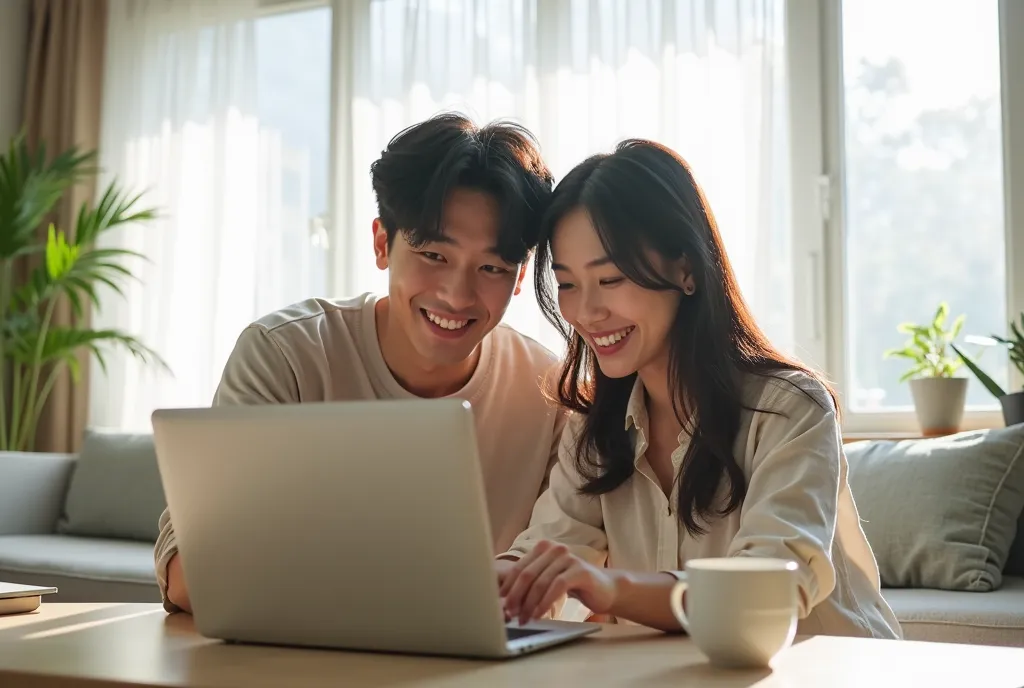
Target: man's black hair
{"points": [[424, 163]]}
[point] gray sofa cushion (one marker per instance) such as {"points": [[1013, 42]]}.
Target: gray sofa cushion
{"points": [[115, 490], [980, 618], [32, 490], [942, 512], [1015, 561], [83, 569]]}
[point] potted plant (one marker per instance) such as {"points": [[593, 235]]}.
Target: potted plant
{"points": [[34, 349], [1012, 403], [939, 397]]}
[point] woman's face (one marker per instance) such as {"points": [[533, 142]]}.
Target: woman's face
{"points": [[626, 325]]}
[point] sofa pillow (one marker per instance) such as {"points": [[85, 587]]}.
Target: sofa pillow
{"points": [[1015, 562], [941, 512], [115, 490]]}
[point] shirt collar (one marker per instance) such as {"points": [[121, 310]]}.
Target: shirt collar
{"points": [[636, 407], [636, 417]]}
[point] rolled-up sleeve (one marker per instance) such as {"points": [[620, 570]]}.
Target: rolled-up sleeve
{"points": [[792, 497], [257, 372]]}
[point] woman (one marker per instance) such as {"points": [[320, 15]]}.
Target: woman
{"points": [[692, 436]]}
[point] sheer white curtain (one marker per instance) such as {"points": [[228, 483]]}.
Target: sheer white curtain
{"points": [[181, 122], [179, 125], [705, 78]]}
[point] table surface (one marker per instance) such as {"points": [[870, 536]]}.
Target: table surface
{"points": [[119, 645]]}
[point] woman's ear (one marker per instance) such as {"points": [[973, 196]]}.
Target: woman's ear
{"points": [[686, 277]]}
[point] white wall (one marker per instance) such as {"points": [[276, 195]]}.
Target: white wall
{"points": [[13, 49]]}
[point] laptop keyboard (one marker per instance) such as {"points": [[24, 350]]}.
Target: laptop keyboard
{"points": [[512, 633]]}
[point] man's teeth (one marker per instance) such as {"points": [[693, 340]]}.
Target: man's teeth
{"points": [[445, 323], [612, 338]]}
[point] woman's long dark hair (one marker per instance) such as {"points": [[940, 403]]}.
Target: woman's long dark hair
{"points": [[643, 197]]}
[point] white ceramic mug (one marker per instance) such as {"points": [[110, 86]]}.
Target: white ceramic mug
{"points": [[740, 611]]}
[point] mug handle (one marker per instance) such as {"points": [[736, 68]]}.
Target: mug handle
{"points": [[676, 600]]}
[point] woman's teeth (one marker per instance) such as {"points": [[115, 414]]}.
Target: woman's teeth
{"points": [[613, 338]]}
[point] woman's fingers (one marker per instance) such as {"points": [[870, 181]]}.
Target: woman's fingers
{"points": [[509, 574], [531, 607], [567, 580], [526, 572]]}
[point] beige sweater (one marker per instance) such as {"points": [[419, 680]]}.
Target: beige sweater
{"points": [[798, 506], [321, 350]]}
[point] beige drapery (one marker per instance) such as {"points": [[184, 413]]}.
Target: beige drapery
{"points": [[63, 87]]}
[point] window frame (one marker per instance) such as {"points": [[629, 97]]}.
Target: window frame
{"points": [[815, 48]]}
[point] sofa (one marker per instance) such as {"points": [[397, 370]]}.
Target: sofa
{"points": [[87, 524]]}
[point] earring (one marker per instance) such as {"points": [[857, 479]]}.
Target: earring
{"points": [[688, 289]]}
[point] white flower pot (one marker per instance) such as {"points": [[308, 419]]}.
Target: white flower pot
{"points": [[939, 404]]}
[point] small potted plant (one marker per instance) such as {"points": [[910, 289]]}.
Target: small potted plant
{"points": [[939, 396], [1012, 403]]}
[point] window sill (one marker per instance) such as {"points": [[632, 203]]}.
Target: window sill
{"points": [[895, 436]]}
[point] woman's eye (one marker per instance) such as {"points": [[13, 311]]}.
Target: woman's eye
{"points": [[611, 281], [564, 286], [494, 270]]}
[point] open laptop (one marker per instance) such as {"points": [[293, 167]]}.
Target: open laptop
{"points": [[349, 525]]}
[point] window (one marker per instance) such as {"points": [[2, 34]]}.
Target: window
{"points": [[897, 112], [912, 198], [923, 190], [293, 63]]}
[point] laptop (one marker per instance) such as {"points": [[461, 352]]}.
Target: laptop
{"points": [[16, 598], [346, 525]]}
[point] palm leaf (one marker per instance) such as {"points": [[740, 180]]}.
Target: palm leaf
{"points": [[114, 208], [63, 343], [30, 187]]}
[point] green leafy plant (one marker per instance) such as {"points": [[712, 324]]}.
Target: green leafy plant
{"points": [[1015, 347], [35, 350], [928, 346]]}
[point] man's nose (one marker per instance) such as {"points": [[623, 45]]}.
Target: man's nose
{"points": [[459, 292]]}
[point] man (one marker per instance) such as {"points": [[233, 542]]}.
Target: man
{"points": [[459, 209]]}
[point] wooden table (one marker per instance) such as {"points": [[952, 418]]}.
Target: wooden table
{"points": [[108, 645]]}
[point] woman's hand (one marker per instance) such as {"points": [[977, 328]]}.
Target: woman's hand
{"points": [[531, 586]]}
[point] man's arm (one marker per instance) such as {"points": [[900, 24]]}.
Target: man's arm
{"points": [[257, 372]]}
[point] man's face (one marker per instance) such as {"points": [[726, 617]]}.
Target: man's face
{"points": [[448, 294]]}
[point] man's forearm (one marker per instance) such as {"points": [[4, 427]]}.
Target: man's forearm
{"points": [[644, 599], [177, 593]]}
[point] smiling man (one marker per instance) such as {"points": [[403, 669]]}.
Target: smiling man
{"points": [[459, 210]]}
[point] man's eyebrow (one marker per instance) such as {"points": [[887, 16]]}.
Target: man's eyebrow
{"points": [[494, 250]]}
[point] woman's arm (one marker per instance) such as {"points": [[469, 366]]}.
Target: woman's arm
{"points": [[791, 506], [550, 571]]}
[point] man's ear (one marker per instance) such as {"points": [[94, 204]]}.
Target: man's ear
{"points": [[380, 244], [519, 279]]}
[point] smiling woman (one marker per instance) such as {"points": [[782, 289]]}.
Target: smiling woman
{"points": [[693, 436]]}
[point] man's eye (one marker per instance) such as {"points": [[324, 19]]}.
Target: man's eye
{"points": [[430, 255], [494, 270]]}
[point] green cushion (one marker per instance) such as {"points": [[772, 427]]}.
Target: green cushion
{"points": [[115, 490], [941, 512]]}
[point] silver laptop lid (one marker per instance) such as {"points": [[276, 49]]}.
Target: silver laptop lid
{"points": [[352, 524]]}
